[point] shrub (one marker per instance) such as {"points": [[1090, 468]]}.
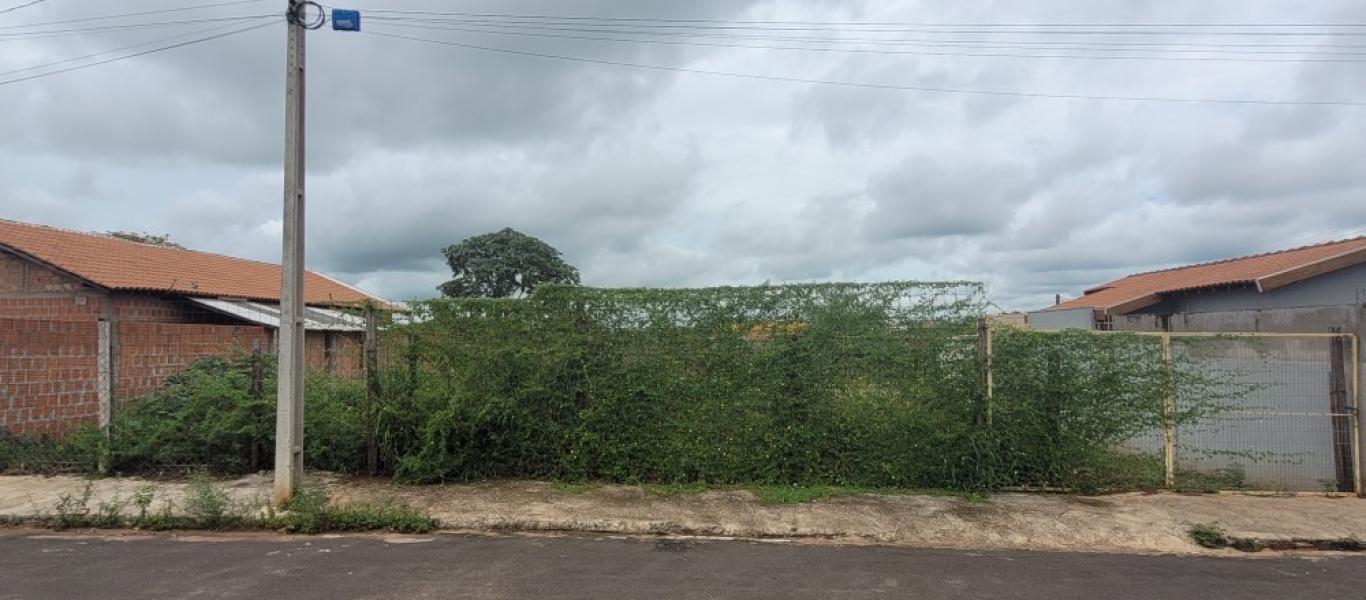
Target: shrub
{"points": [[834, 385], [1208, 535]]}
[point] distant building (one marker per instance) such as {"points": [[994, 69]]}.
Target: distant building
{"points": [[89, 320], [1311, 289]]}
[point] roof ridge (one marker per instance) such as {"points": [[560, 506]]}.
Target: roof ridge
{"points": [[1238, 258], [115, 238]]}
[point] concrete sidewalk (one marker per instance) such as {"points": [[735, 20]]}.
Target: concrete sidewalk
{"points": [[1135, 523]]}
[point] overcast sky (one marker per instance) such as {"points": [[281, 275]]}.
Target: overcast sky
{"points": [[657, 178]]}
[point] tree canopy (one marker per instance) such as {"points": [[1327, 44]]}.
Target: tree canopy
{"points": [[504, 264]]}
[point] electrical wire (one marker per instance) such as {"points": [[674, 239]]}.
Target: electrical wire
{"points": [[847, 23], [942, 90], [17, 7], [1099, 45], [78, 30], [137, 54], [1015, 29], [121, 49], [133, 14], [1313, 57]]}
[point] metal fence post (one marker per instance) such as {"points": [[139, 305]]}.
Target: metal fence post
{"points": [[991, 382], [1356, 423], [1168, 416]]}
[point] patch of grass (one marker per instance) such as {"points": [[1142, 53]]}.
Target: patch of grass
{"points": [[576, 487], [311, 512], [1208, 535], [799, 494], [676, 489]]}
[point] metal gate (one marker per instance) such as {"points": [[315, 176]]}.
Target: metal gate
{"points": [[1289, 420]]}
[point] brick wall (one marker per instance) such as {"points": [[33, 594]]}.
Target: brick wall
{"points": [[148, 353], [160, 309], [65, 308], [47, 375], [11, 274], [49, 354], [42, 279], [341, 355], [20, 275]]}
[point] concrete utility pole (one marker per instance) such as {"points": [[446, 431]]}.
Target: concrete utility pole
{"points": [[289, 413]]}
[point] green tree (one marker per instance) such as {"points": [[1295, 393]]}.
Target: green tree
{"points": [[504, 264]]}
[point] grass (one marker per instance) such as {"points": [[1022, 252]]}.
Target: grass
{"points": [[576, 487], [678, 489], [208, 506], [1208, 535]]}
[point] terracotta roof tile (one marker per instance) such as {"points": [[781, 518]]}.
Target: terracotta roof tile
{"points": [[119, 264], [1244, 270]]}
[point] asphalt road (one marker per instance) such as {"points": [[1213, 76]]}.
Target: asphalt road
{"points": [[44, 565]]}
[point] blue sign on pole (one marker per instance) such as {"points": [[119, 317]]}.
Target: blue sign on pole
{"points": [[345, 20]]}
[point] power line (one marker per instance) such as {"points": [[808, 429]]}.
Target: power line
{"points": [[943, 90], [847, 23], [1020, 29], [136, 54], [1099, 44], [122, 49], [28, 35], [133, 14], [1313, 58], [24, 5]]}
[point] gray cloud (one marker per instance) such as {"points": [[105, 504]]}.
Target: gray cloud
{"points": [[654, 178]]}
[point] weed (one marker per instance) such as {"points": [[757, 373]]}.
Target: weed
{"points": [[208, 505], [310, 512], [1208, 535], [73, 510], [109, 513], [142, 499]]}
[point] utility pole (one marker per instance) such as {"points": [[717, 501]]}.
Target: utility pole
{"points": [[289, 412]]}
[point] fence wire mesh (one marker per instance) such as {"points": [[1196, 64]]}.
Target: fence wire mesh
{"points": [[1289, 423]]}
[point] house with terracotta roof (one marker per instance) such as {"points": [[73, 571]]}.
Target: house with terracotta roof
{"points": [[90, 321], [1309, 289]]}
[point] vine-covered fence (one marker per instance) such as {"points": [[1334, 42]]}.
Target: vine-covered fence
{"points": [[875, 385]]}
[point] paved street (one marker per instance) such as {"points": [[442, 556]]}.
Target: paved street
{"points": [[45, 565]]}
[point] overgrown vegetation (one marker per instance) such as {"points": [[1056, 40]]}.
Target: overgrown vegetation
{"points": [[207, 505], [1208, 535], [804, 387]]}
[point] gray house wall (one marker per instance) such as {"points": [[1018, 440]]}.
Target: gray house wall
{"points": [[1063, 318]]}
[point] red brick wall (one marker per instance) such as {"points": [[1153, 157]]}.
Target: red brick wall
{"points": [[49, 354], [68, 308], [158, 309], [346, 351], [47, 375], [36, 278], [148, 353], [42, 279], [11, 274]]}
